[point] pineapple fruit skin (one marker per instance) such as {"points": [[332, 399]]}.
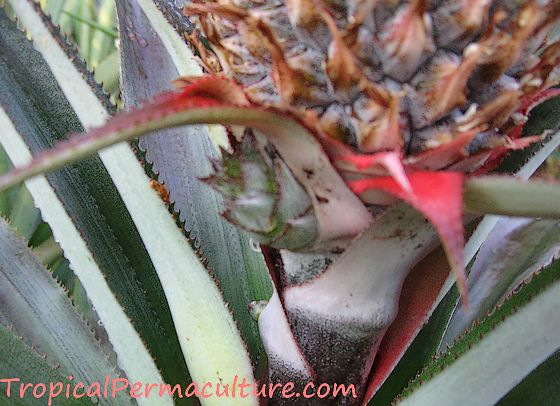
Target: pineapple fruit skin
{"points": [[389, 75]]}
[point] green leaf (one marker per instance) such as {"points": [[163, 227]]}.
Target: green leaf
{"points": [[173, 12], [91, 209], [66, 23], [512, 197], [48, 251], [206, 331], [24, 216], [84, 32], [94, 25], [540, 387], [18, 360], [495, 355], [107, 72], [180, 157], [35, 306], [53, 8], [542, 118], [42, 234], [5, 166]]}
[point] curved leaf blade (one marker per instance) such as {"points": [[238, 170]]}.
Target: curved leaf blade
{"points": [[71, 221], [542, 386], [207, 334], [35, 306], [89, 201], [513, 252], [180, 157]]}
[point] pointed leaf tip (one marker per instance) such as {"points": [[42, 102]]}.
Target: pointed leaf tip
{"points": [[439, 197]]}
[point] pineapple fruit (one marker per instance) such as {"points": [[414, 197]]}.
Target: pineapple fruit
{"points": [[440, 85]]}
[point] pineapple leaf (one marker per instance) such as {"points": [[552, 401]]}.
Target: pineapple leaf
{"points": [[66, 23], [210, 343], [513, 251], [505, 347], [180, 157], [172, 41], [35, 306], [81, 187], [512, 197], [173, 12], [84, 32], [18, 360], [540, 387], [107, 72], [89, 196], [93, 24], [5, 196], [543, 117], [104, 39], [53, 8], [24, 216], [48, 251]]}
